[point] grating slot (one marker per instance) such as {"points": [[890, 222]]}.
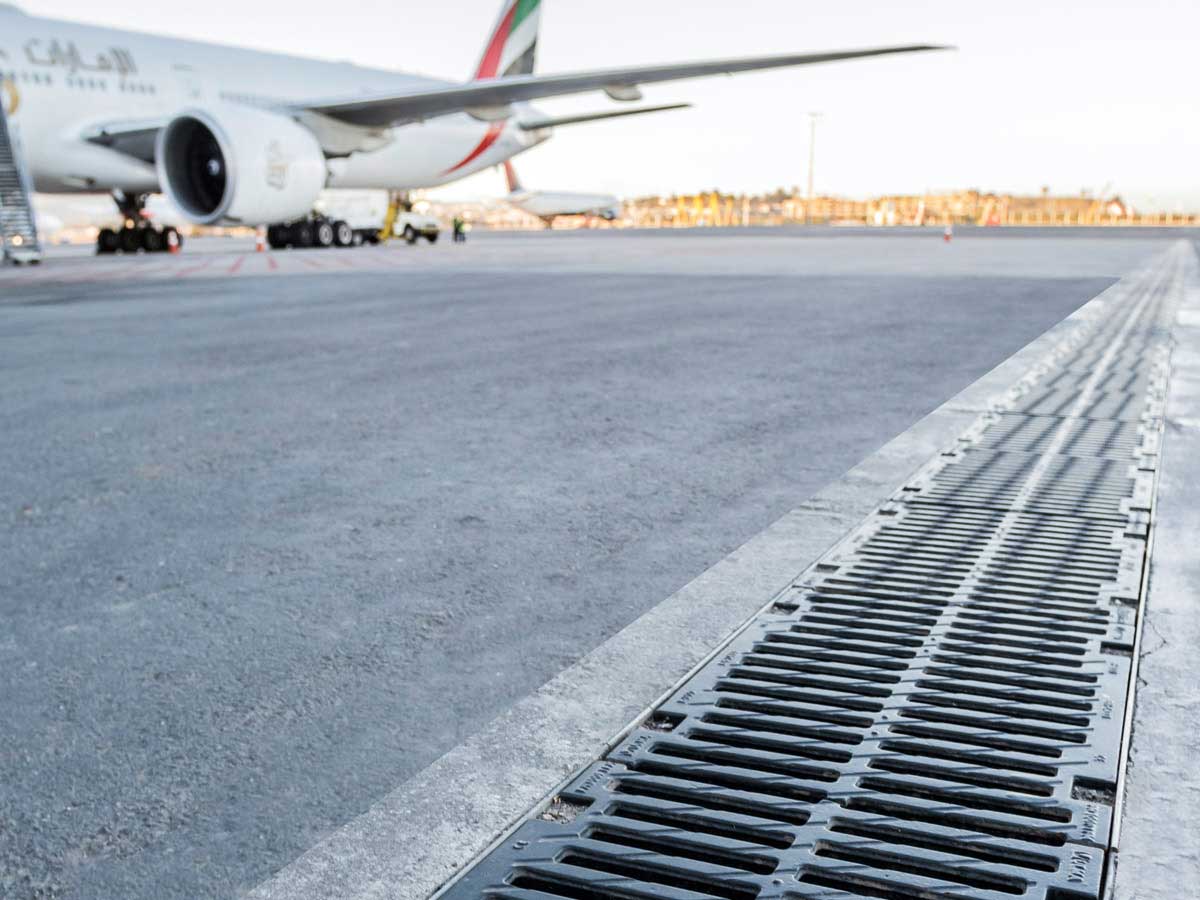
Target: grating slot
{"points": [[1062, 623], [870, 662], [1038, 561], [911, 574], [751, 669], [992, 741], [1034, 584], [1048, 645], [902, 766], [957, 820], [1069, 642], [1017, 708], [826, 698], [558, 884], [690, 795], [876, 623], [1025, 600], [918, 617], [815, 668], [1037, 588], [990, 650], [881, 859], [882, 557], [961, 675], [672, 846], [756, 725], [777, 709], [791, 696], [1033, 671], [656, 873], [958, 686], [841, 644], [865, 886], [892, 834], [741, 761], [691, 821], [721, 777], [997, 722], [910, 590], [862, 632], [975, 758], [965, 798]]}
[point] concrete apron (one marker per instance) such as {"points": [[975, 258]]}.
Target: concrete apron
{"points": [[415, 839]]}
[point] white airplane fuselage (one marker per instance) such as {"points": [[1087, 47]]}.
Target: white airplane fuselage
{"points": [[550, 204], [63, 80]]}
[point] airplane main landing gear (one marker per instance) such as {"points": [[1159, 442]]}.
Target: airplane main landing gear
{"points": [[136, 233], [318, 231]]}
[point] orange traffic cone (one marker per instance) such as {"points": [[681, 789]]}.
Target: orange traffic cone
{"points": [[948, 233], [260, 243]]}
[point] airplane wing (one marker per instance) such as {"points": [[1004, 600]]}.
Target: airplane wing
{"points": [[491, 98]]}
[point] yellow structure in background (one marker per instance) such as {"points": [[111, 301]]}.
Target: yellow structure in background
{"points": [[713, 209], [958, 208]]}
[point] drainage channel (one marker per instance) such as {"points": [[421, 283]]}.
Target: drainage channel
{"points": [[934, 710]]}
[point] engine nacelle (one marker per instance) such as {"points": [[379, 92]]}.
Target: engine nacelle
{"points": [[236, 164]]}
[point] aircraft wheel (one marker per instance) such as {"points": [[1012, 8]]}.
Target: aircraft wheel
{"points": [[343, 234], [277, 236], [152, 240], [323, 235], [131, 241], [302, 235], [106, 241]]}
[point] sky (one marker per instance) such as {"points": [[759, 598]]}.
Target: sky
{"points": [[1067, 95]]}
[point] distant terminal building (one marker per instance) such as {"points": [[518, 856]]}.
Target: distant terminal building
{"points": [[979, 208], [713, 208]]}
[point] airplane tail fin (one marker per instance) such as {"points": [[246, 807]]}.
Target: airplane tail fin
{"points": [[510, 175], [512, 42]]}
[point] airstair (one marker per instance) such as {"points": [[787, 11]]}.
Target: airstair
{"points": [[18, 230]]}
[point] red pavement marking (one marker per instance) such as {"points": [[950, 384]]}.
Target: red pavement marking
{"points": [[311, 263], [237, 265], [183, 273], [271, 264]]}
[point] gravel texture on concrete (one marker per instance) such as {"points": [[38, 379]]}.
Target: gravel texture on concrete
{"points": [[269, 546]]}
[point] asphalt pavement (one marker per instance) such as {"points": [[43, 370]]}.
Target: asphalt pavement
{"points": [[270, 545]]}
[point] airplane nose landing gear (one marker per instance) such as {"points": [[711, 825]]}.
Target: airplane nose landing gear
{"points": [[137, 233]]}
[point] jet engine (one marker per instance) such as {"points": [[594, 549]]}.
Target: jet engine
{"points": [[240, 165]]}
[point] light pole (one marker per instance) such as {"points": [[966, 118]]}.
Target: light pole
{"points": [[812, 160]]}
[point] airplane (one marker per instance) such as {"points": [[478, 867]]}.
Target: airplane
{"points": [[238, 136], [548, 205]]}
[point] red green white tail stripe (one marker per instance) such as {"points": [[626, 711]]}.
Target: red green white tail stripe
{"points": [[510, 50], [513, 43]]}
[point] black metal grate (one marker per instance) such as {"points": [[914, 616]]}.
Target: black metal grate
{"points": [[933, 711]]}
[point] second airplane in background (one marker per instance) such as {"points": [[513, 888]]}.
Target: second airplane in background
{"points": [[549, 205]]}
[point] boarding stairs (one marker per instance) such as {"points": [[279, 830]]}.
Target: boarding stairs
{"points": [[18, 229]]}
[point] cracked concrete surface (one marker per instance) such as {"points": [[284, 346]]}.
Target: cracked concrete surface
{"points": [[1158, 844]]}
